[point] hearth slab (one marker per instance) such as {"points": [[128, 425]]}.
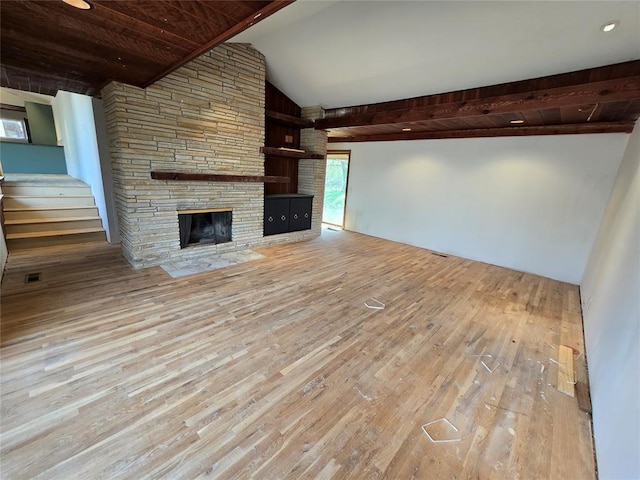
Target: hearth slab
{"points": [[199, 265]]}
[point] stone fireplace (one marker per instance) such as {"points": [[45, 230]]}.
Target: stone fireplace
{"points": [[207, 117]]}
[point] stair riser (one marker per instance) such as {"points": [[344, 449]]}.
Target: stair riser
{"points": [[44, 227], [24, 243], [28, 202], [31, 190], [44, 214]]}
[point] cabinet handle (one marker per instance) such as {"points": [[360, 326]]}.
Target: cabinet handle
{"points": [[270, 219], [283, 218], [295, 216], [306, 215]]}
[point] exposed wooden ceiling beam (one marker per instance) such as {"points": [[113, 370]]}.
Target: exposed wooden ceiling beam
{"points": [[566, 129], [577, 88]]}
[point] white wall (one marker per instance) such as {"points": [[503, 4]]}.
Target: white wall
{"points": [[105, 166], [4, 253], [610, 293], [528, 203], [74, 116]]}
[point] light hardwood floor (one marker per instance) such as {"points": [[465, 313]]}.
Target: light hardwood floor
{"points": [[276, 369]]}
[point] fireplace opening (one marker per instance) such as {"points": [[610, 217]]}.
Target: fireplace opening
{"points": [[204, 227]]}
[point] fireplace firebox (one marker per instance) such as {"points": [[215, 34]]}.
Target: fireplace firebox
{"points": [[202, 227]]}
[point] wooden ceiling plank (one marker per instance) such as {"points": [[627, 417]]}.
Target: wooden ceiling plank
{"points": [[597, 92], [620, 110], [569, 129], [91, 33], [28, 68], [133, 26], [633, 110], [164, 39], [206, 9], [102, 62], [48, 85], [172, 18], [25, 68], [265, 12], [237, 11], [550, 116]]}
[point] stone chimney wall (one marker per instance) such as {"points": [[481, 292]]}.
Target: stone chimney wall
{"points": [[206, 117]]}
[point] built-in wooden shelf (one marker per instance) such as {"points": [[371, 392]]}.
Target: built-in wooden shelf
{"points": [[291, 153], [208, 177], [289, 120]]}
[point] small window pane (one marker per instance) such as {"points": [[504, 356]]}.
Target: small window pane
{"points": [[12, 129]]}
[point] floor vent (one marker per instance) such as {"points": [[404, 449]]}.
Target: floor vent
{"points": [[440, 255], [32, 277]]}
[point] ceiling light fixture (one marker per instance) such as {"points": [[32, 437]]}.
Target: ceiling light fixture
{"points": [[516, 122], [81, 4], [607, 27], [406, 129]]}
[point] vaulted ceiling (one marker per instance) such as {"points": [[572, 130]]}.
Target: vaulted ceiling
{"points": [[396, 70], [384, 70], [48, 46]]}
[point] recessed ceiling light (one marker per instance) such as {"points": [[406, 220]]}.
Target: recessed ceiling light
{"points": [[607, 27], [517, 122], [406, 129], [81, 4]]}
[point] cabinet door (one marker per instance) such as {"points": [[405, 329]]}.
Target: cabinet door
{"points": [[276, 215], [300, 214]]}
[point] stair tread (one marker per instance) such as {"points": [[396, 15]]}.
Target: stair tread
{"points": [[59, 207], [36, 179], [53, 233], [24, 221], [48, 196]]}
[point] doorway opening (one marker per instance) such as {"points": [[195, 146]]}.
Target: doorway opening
{"points": [[335, 187]]}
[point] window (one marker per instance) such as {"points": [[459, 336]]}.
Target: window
{"points": [[14, 126], [13, 130]]}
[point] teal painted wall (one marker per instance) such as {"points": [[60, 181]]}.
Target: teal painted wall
{"points": [[41, 123], [29, 158]]}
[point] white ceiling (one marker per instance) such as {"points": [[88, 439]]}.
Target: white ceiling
{"points": [[350, 52]]}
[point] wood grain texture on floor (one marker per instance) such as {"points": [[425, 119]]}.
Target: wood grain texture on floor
{"points": [[275, 368]]}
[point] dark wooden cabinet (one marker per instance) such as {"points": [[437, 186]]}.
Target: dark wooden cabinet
{"points": [[276, 214], [284, 209], [287, 213], [300, 213]]}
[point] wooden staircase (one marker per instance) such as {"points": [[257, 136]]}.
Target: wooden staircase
{"points": [[46, 210]]}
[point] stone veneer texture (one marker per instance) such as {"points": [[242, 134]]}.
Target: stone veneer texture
{"points": [[312, 173], [206, 117]]}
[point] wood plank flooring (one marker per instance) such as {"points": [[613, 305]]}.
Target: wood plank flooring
{"points": [[276, 369]]}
